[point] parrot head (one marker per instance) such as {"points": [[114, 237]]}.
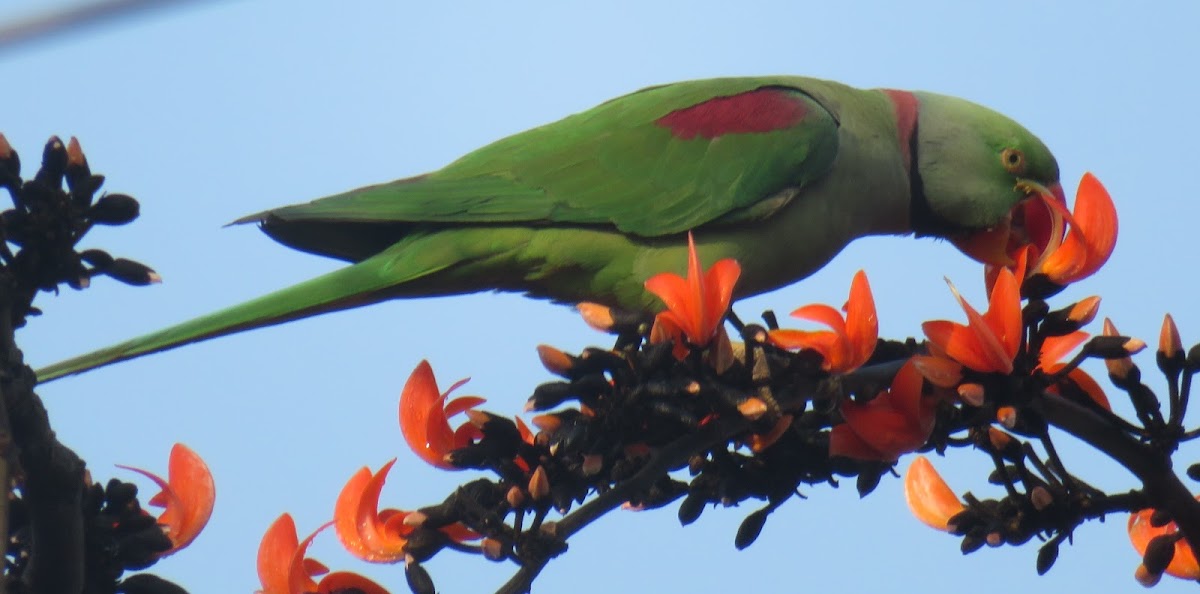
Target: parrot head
{"points": [[983, 181]]}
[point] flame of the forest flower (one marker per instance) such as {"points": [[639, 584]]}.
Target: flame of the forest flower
{"points": [[897, 421], [425, 414], [365, 531], [850, 341], [1078, 251], [928, 496], [1141, 532], [372, 534], [696, 305], [989, 341], [187, 496], [283, 567]]}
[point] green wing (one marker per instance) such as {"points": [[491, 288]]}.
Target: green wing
{"points": [[616, 165]]}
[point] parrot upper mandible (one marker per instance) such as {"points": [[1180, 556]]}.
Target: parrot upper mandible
{"points": [[779, 172]]}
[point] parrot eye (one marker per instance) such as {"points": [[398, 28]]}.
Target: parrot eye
{"points": [[1013, 160]]}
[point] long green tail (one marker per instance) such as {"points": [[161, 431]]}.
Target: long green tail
{"points": [[370, 281]]}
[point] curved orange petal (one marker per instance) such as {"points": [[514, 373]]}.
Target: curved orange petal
{"points": [[188, 496], [524, 431], [345, 513], [883, 427], [962, 344], [1004, 313], [940, 371], [905, 395], [862, 323], [1055, 348], [383, 545], [1141, 532], [822, 314], [461, 404], [301, 569], [718, 287], [419, 401], [928, 496], [192, 480], [1090, 387], [275, 552], [1092, 236], [843, 441], [672, 289]]}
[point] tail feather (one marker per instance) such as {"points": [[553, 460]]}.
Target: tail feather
{"points": [[372, 280]]}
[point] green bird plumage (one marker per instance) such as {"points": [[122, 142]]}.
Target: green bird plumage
{"points": [[778, 172]]}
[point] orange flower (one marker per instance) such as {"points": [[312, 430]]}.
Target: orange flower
{"points": [[1054, 349], [895, 422], [989, 342], [1076, 254], [284, 569], [371, 534], [1141, 532], [849, 342], [696, 305], [424, 417], [187, 497], [928, 496]]}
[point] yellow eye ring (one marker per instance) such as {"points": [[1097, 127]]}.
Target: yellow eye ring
{"points": [[1013, 160]]}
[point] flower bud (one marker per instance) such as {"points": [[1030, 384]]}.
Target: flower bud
{"points": [[539, 484], [114, 209], [555, 361]]}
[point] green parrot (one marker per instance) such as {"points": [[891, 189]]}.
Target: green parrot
{"points": [[779, 172]]}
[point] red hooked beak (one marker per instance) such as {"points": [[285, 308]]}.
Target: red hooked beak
{"points": [[1036, 220]]}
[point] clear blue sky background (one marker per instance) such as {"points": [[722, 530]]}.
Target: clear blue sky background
{"points": [[212, 112]]}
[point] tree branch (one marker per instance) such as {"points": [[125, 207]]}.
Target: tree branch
{"points": [[1162, 486]]}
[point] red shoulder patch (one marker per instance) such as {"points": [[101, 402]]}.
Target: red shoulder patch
{"points": [[760, 110]]}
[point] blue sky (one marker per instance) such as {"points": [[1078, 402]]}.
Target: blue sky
{"points": [[212, 112]]}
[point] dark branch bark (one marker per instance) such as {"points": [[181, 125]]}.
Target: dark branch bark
{"points": [[1164, 490]]}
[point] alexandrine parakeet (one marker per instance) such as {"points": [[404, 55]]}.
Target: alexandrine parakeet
{"points": [[778, 172]]}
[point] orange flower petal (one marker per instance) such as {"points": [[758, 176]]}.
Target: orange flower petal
{"points": [[822, 314], [940, 371], [383, 545], [1055, 348], [862, 323], [1090, 387], [1141, 532], [418, 401], [188, 496], [424, 415], [1091, 238], [275, 552], [1004, 313], [696, 305], [961, 344], [928, 496], [843, 441], [345, 513]]}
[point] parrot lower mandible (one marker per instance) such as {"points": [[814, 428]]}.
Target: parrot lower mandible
{"points": [[779, 172]]}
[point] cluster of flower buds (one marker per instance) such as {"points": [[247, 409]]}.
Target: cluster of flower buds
{"points": [[47, 222]]}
